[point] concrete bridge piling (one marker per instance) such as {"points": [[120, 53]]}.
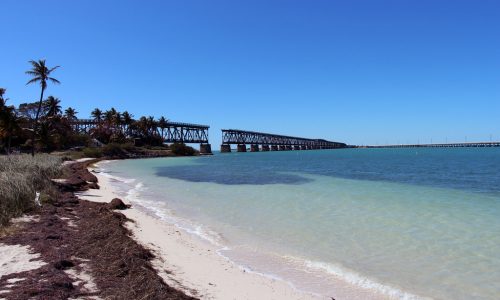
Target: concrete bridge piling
{"points": [[225, 148], [205, 149]]}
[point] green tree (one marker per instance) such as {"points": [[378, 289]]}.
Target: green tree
{"points": [[2, 99], [70, 113], [128, 120], [162, 123], [152, 125], [52, 106], [41, 74], [9, 124], [97, 115]]}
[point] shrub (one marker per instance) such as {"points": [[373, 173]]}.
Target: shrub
{"points": [[182, 149], [117, 150], [92, 152], [20, 177]]}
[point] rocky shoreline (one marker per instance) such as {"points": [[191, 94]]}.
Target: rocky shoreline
{"points": [[87, 251]]}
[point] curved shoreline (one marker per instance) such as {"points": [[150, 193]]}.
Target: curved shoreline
{"points": [[226, 279], [194, 265]]}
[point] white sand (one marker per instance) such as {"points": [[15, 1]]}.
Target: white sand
{"points": [[192, 265], [17, 258]]}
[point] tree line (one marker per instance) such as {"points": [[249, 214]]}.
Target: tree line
{"points": [[44, 126]]}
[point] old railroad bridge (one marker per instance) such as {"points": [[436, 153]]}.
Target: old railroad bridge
{"points": [[176, 132], [172, 132], [259, 141]]}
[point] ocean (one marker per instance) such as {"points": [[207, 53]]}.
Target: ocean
{"points": [[408, 223]]}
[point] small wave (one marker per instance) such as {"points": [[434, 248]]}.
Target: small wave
{"points": [[136, 195], [205, 234], [358, 280], [117, 178]]}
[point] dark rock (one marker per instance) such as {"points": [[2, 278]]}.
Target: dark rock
{"points": [[64, 284], [63, 264], [117, 204], [93, 185], [53, 237], [87, 176]]}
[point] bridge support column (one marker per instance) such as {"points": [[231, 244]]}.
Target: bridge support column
{"points": [[225, 148], [265, 148], [254, 148], [282, 148], [205, 149], [242, 148], [296, 147], [274, 148], [288, 147]]}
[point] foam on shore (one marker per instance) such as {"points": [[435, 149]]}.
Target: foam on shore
{"points": [[137, 195], [192, 261]]}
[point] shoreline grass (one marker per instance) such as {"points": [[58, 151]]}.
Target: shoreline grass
{"points": [[21, 176]]}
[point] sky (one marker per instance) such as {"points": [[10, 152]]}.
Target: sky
{"points": [[361, 72]]}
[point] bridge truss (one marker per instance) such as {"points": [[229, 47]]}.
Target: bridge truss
{"points": [[242, 137]]}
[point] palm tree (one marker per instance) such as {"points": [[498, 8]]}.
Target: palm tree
{"points": [[127, 121], [70, 113], [162, 123], [97, 115], [3, 110], [109, 117], [53, 107], [142, 125], [40, 73], [9, 124], [2, 100], [118, 121], [152, 126]]}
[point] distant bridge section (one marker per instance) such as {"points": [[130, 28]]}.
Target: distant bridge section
{"points": [[176, 132], [260, 141], [173, 132], [446, 145]]}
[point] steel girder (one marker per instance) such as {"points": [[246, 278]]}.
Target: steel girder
{"points": [[234, 136]]}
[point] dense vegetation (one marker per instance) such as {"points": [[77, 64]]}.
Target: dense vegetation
{"points": [[21, 176], [44, 126]]}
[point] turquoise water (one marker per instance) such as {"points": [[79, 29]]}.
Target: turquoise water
{"points": [[408, 223]]}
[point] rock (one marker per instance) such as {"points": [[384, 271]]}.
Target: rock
{"points": [[93, 185], [118, 204], [64, 264], [87, 176]]}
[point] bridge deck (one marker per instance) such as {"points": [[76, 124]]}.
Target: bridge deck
{"points": [[445, 145], [243, 137]]}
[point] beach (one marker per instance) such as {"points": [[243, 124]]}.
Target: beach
{"points": [[194, 266], [196, 228], [332, 223], [190, 264]]}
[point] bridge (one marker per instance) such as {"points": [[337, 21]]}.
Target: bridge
{"points": [[171, 132], [445, 145], [271, 142]]}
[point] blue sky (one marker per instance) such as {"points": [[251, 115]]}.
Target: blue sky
{"points": [[361, 72]]}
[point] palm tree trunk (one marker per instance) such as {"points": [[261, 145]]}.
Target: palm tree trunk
{"points": [[36, 124]]}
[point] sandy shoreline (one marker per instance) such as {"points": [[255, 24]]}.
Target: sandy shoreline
{"points": [[190, 264]]}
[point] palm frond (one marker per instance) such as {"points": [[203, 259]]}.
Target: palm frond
{"points": [[36, 79], [53, 80], [53, 69]]}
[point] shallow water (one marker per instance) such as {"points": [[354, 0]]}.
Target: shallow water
{"points": [[408, 223]]}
